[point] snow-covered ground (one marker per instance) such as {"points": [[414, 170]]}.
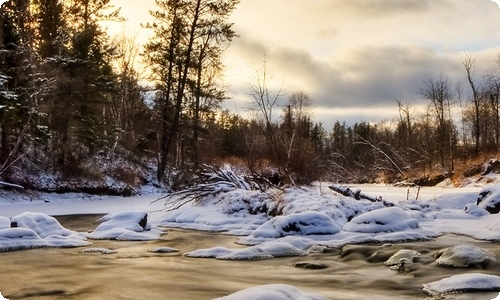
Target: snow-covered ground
{"points": [[309, 220]]}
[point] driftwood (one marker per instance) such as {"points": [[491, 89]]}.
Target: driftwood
{"points": [[358, 195]]}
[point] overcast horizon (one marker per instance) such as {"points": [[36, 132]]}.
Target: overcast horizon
{"points": [[354, 58]]}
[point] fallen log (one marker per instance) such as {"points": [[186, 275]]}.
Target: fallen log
{"points": [[11, 185], [358, 195]]}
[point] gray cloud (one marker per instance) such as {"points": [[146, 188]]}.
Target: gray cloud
{"points": [[356, 57], [364, 78], [367, 77]]}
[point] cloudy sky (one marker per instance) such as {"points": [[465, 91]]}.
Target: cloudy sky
{"points": [[353, 57]]}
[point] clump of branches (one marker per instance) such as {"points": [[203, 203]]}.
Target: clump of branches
{"points": [[211, 182]]}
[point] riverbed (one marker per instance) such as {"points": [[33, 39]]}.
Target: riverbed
{"points": [[353, 272]]}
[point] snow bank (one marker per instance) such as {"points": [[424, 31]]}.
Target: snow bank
{"points": [[463, 283], [273, 292], [127, 225], [35, 230]]}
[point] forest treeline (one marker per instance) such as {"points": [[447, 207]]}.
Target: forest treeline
{"points": [[73, 100]]}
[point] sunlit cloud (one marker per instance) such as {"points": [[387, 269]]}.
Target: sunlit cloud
{"points": [[352, 56]]}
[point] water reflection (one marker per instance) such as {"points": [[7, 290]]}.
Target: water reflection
{"points": [[357, 272]]}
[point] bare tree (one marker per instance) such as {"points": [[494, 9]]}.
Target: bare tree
{"points": [[265, 104], [438, 92], [128, 99], [477, 97]]}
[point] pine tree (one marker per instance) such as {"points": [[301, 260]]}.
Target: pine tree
{"points": [[187, 35]]}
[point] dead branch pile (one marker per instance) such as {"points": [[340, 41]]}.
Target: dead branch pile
{"points": [[212, 181]]}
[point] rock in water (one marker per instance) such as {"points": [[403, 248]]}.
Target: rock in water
{"points": [[402, 258], [404, 255], [472, 282], [461, 256]]}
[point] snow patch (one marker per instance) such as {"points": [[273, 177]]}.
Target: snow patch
{"points": [[272, 292]]}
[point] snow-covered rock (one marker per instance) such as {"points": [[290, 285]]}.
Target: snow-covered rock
{"points": [[288, 246], [305, 223], [44, 225], [273, 292], [474, 210], [408, 255], [390, 219], [126, 225], [489, 198], [462, 256], [98, 250], [163, 250], [35, 230], [463, 283]]}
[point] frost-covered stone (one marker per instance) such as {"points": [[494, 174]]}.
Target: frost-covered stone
{"points": [[461, 256]]}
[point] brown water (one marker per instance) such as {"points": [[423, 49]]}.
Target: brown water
{"points": [[358, 272]]}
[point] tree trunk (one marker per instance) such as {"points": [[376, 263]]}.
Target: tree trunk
{"points": [[174, 131]]}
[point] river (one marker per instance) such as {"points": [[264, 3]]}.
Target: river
{"points": [[355, 272]]}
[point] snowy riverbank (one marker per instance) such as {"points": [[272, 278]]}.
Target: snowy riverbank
{"points": [[311, 220]]}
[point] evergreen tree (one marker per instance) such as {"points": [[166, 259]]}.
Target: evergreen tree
{"points": [[187, 35]]}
